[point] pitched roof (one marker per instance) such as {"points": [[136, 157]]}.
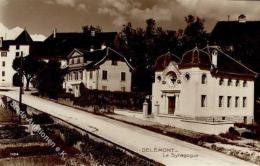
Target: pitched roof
{"points": [[93, 59], [195, 58], [59, 45], [164, 60], [24, 38], [228, 65], [232, 32]]}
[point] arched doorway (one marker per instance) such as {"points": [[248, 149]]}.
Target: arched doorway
{"points": [[16, 80]]}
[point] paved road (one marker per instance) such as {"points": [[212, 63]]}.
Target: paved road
{"points": [[134, 138]]}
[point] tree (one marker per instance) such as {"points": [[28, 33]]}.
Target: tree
{"points": [[194, 33], [49, 80], [31, 67]]}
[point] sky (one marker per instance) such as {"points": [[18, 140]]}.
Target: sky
{"points": [[40, 17]]}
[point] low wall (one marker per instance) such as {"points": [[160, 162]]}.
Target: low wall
{"points": [[129, 113], [193, 125]]}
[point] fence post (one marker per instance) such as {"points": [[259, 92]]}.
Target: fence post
{"points": [[145, 109]]}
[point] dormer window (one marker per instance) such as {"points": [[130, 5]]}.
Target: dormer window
{"points": [[203, 79], [17, 47]]}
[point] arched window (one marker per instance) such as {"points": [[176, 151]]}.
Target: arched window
{"points": [[221, 81], [203, 79], [171, 77]]}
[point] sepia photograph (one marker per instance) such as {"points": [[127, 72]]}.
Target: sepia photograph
{"points": [[129, 82]]}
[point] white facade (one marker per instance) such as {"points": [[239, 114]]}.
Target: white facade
{"points": [[6, 61], [196, 93], [107, 75]]}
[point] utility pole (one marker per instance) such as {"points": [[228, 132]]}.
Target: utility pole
{"points": [[21, 85]]}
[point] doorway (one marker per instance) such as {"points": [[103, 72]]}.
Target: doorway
{"points": [[171, 104]]}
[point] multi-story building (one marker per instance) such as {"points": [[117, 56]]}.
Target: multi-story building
{"points": [[102, 69], [206, 84], [9, 50]]}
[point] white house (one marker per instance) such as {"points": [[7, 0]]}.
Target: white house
{"points": [[102, 69], [205, 85], [9, 50]]}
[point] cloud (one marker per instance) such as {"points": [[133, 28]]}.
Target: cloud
{"points": [[70, 3], [172, 11], [11, 34]]}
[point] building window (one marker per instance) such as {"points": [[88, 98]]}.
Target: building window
{"points": [[90, 74], [203, 79], [123, 89], [104, 87], [114, 62], [4, 54], [237, 83], [3, 73], [244, 102], [237, 102], [203, 100], [17, 47], [17, 54], [76, 75], [221, 81], [81, 75], [229, 82], [104, 75], [72, 61], [122, 76], [244, 83], [229, 101], [187, 76], [220, 101], [3, 63], [78, 60]]}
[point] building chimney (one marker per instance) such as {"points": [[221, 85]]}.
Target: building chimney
{"points": [[242, 18], [214, 58], [1, 42], [55, 33]]}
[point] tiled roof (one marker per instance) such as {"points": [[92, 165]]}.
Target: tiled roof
{"points": [[234, 32], [93, 59], [164, 60], [228, 65], [195, 58], [61, 44]]}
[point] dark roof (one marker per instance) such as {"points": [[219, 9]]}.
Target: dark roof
{"points": [[234, 32], [61, 44], [195, 58], [93, 59], [228, 65], [6, 44], [24, 38], [164, 60]]}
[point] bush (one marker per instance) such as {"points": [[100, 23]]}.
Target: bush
{"points": [[233, 131], [230, 136], [249, 135]]}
